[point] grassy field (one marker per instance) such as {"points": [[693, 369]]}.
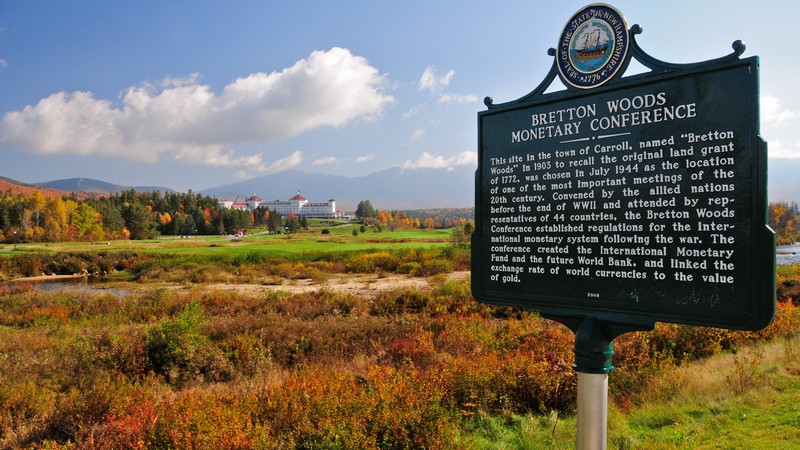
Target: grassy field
{"points": [[340, 238]]}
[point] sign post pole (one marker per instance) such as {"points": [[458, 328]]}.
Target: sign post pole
{"points": [[592, 410], [593, 352]]}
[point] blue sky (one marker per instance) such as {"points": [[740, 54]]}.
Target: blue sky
{"points": [[198, 94]]}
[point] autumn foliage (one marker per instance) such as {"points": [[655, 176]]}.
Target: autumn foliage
{"points": [[784, 218], [205, 368]]}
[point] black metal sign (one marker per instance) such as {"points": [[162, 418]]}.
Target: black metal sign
{"points": [[635, 199]]}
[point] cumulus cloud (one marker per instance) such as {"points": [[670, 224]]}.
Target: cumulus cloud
{"points": [[186, 120], [255, 165], [429, 161], [365, 158]]}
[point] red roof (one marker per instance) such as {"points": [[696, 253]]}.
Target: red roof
{"points": [[297, 197], [254, 199]]}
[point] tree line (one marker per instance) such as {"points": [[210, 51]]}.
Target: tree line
{"points": [[145, 215], [443, 218], [130, 214], [125, 215]]}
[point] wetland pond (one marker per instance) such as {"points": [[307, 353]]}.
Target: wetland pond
{"points": [[82, 284]]}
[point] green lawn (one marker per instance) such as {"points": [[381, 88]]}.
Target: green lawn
{"points": [[340, 238]]}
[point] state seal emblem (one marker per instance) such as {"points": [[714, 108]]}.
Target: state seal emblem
{"points": [[593, 46]]}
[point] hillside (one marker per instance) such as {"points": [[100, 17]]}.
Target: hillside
{"points": [[92, 186], [17, 188]]}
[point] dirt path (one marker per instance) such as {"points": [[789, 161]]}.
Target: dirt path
{"points": [[361, 285]]}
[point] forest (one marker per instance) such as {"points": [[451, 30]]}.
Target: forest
{"points": [[146, 215]]}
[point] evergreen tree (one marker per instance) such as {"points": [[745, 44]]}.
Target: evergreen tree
{"points": [[365, 210], [274, 222], [139, 221]]}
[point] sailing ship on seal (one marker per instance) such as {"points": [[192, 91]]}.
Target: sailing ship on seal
{"points": [[593, 46]]}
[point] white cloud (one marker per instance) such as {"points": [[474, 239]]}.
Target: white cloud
{"points": [[457, 98], [325, 161], [429, 161], [293, 160], [365, 158], [189, 122], [254, 165], [773, 111], [777, 149], [243, 175], [170, 82], [418, 134], [413, 111], [216, 158], [431, 81]]}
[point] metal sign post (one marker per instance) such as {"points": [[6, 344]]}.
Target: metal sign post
{"points": [[592, 410], [593, 352], [593, 355], [623, 201]]}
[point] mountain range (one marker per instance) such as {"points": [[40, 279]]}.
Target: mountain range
{"points": [[388, 189], [394, 188], [92, 186]]}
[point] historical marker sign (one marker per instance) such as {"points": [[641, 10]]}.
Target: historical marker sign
{"points": [[639, 199]]}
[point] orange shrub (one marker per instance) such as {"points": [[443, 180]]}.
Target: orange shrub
{"points": [[327, 409], [517, 383], [208, 419]]}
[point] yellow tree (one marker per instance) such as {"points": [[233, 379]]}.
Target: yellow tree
{"points": [[54, 217], [86, 223], [783, 220], [36, 204]]}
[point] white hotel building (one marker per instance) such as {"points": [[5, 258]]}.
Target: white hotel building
{"points": [[297, 205]]}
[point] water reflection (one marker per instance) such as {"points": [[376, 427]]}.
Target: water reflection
{"points": [[788, 254]]}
